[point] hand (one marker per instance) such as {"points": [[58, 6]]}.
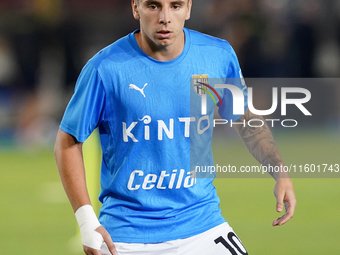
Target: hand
{"points": [[107, 239], [284, 193]]}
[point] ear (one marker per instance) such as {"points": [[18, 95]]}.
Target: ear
{"points": [[189, 10], [135, 12]]}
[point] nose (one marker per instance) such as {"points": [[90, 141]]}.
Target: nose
{"points": [[164, 16]]}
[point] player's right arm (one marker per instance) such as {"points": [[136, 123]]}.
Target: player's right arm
{"points": [[69, 158]]}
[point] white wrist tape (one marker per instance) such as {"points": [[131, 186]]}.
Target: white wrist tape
{"points": [[88, 223]]}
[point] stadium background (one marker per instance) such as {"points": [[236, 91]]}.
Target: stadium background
{"points": [[45, 43]]}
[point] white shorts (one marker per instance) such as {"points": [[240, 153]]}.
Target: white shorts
{"points": [[220, 240]]}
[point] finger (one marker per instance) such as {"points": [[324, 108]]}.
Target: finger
{"points": [[279, 201], [109, 243], [107, 240], [291, 202], [91, 251], [276, 222], [112, 248], [281, 220], [290, 208]]}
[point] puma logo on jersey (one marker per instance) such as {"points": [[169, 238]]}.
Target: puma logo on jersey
{"points": [[141, 90]]}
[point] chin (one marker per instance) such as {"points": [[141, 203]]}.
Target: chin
{"points": [[163, 43]]}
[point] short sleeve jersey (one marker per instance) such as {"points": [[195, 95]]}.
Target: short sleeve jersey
{"points": [[152, 134]]}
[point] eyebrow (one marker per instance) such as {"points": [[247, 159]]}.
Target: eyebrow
{"points": [[147, 2], [180, 2]]}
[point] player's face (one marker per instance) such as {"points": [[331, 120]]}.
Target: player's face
{"points": [[162, 21]]}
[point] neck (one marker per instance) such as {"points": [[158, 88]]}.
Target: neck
{"points": [[161, 52]]}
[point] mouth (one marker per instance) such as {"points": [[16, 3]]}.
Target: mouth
{"points": [[164, 34]]}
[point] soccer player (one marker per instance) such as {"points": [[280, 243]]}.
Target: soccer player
{"points": [[137, 91]]}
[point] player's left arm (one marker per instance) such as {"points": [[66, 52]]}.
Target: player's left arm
{"points": [[261, 144]]}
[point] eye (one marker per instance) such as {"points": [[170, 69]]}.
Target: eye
{"points": [[176, 6], [152, 6]]}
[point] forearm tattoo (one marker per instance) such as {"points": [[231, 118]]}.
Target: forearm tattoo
{"points": [[259, 140]]}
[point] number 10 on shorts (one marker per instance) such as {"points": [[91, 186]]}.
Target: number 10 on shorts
{"points": [[232, 244]]}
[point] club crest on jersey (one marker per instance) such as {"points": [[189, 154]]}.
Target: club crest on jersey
{"points": [[199, 83], [202, 87]]}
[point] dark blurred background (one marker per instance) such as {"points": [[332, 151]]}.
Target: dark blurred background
{"points": [[45, 43]]}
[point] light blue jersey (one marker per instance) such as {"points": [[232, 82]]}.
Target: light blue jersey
{"points": [[153, 133]]}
